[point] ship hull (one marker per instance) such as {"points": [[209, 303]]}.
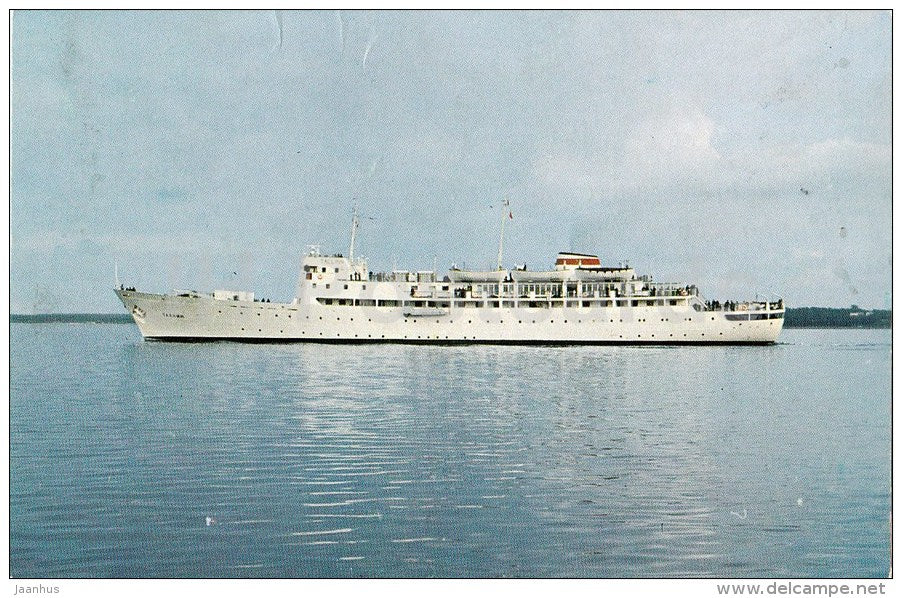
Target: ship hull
{"points": [[203, 319]]}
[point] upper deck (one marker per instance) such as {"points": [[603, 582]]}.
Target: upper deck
{"points": [[337, 280]]}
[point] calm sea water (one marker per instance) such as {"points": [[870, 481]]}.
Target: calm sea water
{"points": [[343, 461]]}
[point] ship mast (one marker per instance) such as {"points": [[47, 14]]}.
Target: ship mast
{"points": [[354, 223], [505, 205]]}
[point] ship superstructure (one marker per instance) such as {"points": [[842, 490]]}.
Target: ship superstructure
{"points": [[338, 299]]}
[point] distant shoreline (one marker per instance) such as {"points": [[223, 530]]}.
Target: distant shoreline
{"points": [[70, 319], [801, 317]]}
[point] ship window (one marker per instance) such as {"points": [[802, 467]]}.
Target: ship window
{"points": [[346, 287], [324, 268], [328, 285], [309, 275], [336, 270], [314, 285]]}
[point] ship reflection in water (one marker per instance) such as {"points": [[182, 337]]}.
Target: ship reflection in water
{"points": [[235, 460]]}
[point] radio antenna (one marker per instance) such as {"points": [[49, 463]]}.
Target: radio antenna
{"points": [[354, 224], [505, 207]]}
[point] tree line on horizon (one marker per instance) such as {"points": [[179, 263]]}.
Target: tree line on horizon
{"points": [[837, 317]]}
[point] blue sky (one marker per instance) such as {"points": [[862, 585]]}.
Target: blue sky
{"points": [[746, 152]]}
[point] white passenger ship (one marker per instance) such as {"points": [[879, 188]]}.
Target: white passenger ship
{"points": [[338, 299]]}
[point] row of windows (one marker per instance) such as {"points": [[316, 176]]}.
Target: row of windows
{"points": [[310, 269], [496, 304], [447, 337], [329, 285], [757, 316]]}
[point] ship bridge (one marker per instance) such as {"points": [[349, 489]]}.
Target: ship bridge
{"points": [[326, 270]]}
